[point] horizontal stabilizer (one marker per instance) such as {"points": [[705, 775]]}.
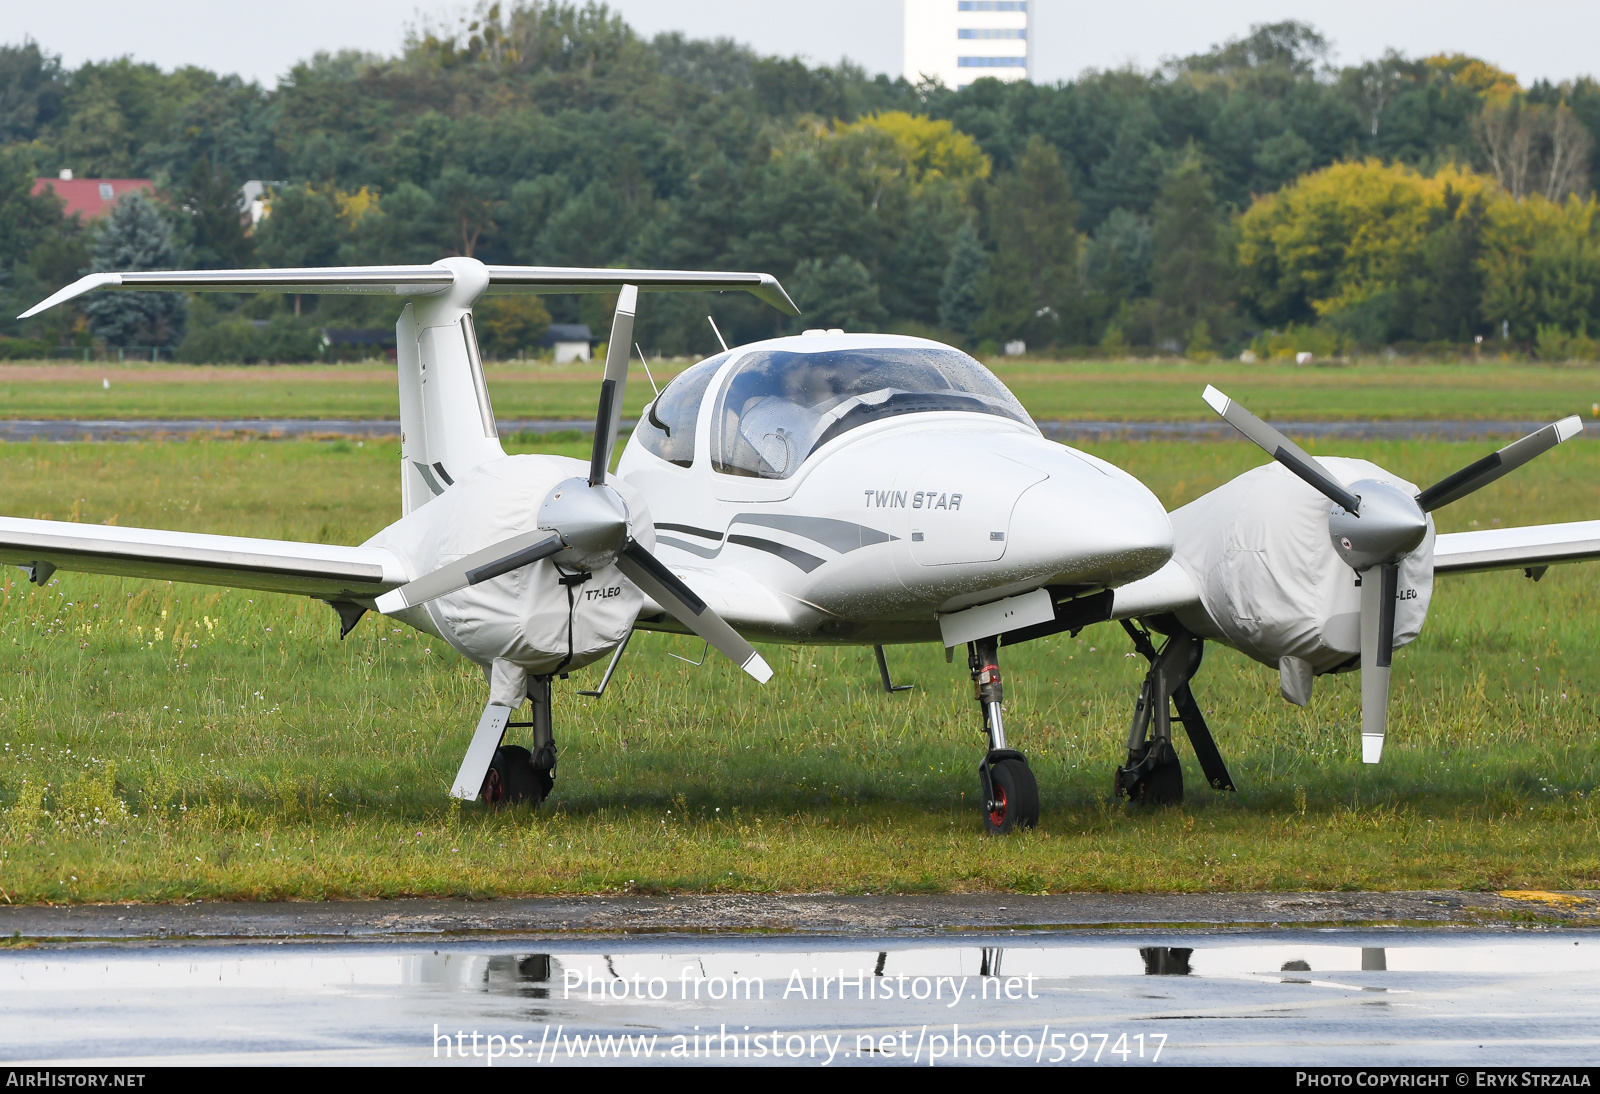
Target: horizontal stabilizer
{"points": [[426, 281], [554, 280]]}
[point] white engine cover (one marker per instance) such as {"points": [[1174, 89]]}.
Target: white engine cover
{"points": [[1270, 583], [521, 617]]}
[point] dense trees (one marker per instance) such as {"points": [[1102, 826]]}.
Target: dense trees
{"points": [[1182, 209], [136, 237], [1381, 253]]}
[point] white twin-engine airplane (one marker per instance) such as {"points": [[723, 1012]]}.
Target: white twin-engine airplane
{"points": [[829, 488]]}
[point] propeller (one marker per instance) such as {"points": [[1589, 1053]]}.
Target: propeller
{"points": [[585, 523], [1374, 526]]}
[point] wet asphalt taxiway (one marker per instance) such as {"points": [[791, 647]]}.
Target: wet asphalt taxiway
{"points": [[1288, 979]]}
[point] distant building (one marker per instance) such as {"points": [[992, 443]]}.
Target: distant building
{"points": [[90, 198], [253, 201], [571, 341], [959, 41]]}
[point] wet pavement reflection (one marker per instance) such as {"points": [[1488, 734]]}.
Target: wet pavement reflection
{"points": [[1283, 997]]}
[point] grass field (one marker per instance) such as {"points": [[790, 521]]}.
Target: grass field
{"points": [[1124, 391], [164, 742]]}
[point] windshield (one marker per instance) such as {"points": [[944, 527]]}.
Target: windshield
{"points": [[779, 405], [668, 426]]}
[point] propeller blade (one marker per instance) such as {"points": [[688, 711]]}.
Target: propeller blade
{"points": [[1283, 450], [491, 562], [1475, 476], [608, 417], [662, 585], [1378, 588]]}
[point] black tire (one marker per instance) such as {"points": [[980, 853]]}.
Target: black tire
{"points": [[512, 779], [1163, 786], [544, 769], [1016, 798]]}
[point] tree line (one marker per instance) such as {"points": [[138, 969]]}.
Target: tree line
{"points": [[1249, 196]]}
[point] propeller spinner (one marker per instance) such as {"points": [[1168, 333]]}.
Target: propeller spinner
{"points": [[585, 523], [1373, 526]]}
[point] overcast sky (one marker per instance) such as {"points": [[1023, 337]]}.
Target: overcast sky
{"points": [[1553, 39]]}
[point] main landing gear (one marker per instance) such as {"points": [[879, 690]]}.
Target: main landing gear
{"points": [[1010, 794], [1152, 775], [520, 776]]}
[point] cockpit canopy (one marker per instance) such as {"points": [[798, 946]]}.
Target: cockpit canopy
{"points": [[779, 405]]}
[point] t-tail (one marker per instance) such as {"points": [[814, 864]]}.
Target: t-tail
{"points": [[447, 424]]}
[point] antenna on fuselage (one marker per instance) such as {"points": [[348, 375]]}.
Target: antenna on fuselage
{"points": [[647, 375], [721, 339]]}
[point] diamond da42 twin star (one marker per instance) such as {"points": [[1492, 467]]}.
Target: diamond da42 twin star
{"points": [[828, 488]]}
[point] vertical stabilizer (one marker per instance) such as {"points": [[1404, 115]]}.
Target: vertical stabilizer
{"points": [[446, 420]]}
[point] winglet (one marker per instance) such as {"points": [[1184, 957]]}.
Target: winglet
{"points": [[1216, 400], [1568, 427], [85, 284], [772, 293]]}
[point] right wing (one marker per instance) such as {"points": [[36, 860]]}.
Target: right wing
{"points": [[312, 569], [1530, 547]]}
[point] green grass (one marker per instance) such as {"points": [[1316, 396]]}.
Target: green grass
{"points": [[163, 742], [1128, 391]]}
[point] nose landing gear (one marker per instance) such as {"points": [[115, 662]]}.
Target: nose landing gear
{"points": [[1010, 793]]}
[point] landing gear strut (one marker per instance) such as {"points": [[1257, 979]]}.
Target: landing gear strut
{"points": [[1152, 775], [1010, 794], [520, 776]]}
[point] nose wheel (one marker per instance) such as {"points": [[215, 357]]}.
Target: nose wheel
{"points": [[1010, 794]]}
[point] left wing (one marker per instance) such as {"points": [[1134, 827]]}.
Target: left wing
{"points": [[1167, 590], [1533, 547], [312, 569]]}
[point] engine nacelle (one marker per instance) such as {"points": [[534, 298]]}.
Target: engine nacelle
{"points": [[1271, 584], [526, 618]]}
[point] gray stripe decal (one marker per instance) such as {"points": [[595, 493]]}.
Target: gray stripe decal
{"points": [[791, 555], [692, 548], [427, 477], [841, 535], [703, 533]]}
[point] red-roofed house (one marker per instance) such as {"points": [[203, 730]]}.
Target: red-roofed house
{"points": [[90, 198]]}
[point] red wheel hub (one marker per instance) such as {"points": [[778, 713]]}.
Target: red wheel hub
{"points": [[997, 811], [494, 791]]}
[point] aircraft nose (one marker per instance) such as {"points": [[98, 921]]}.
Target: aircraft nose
{"points": [[1089, 523]]}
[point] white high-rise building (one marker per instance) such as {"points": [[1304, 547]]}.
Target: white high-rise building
{"points": [[959, 41]]}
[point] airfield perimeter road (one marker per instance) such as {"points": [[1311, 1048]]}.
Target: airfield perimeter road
{"points": [[1297, 980], [98, 429]]}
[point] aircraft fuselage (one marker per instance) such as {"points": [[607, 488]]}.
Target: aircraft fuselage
{"points": [[887, 525]]}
